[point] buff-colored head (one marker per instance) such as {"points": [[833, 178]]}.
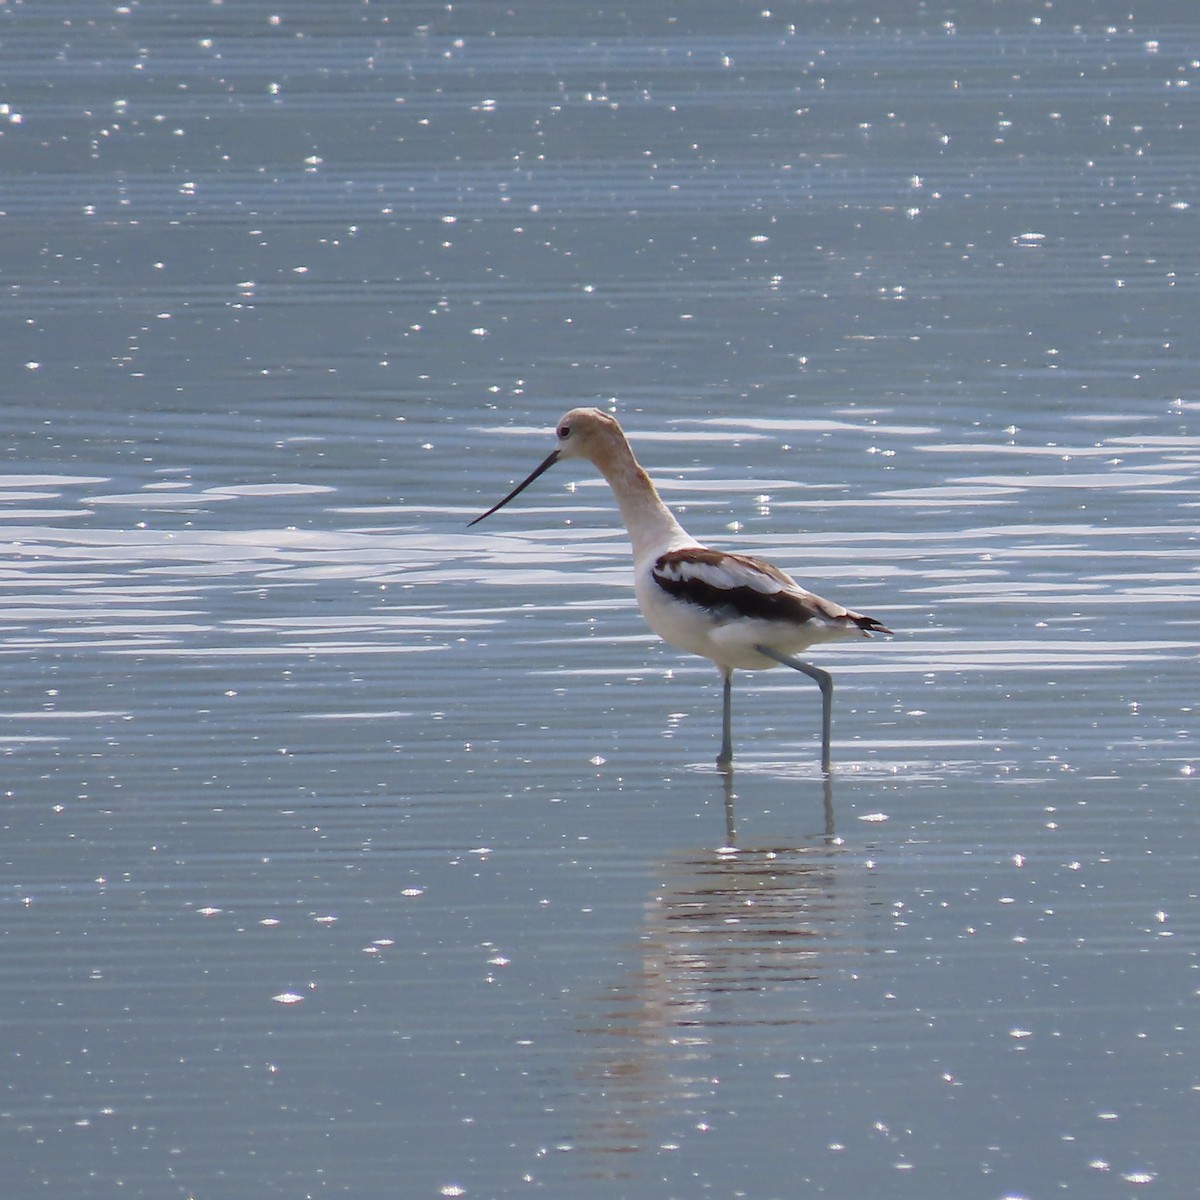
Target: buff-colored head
{"points": [[588, 433]]}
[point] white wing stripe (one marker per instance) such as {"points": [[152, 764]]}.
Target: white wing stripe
{"points": [[728, 574]]}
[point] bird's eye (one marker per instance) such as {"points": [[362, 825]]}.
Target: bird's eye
{"points": [[564, 432]]}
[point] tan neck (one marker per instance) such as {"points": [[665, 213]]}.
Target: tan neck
{"points": [[651, 524]]}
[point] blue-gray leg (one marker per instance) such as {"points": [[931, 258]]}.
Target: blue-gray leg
{"points": [[725, 758], [825, 682]]}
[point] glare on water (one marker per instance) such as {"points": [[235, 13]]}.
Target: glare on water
{"points": [[344, 845]]}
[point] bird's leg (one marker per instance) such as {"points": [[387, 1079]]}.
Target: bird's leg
{"points": [[825, 682], [725, 758]]}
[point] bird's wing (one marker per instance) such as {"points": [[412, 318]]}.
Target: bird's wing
{"points": [[736, 586]]}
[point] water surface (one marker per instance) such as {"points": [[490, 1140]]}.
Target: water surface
{"points": [[351, 852]]}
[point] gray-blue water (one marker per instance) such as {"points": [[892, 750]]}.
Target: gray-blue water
{"points": [[345, 851]]}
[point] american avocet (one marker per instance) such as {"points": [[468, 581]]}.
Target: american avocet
{"points": [[737, 611]]}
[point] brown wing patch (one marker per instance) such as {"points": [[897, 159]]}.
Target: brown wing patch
{"points": [[692, 575], [707, 578]]}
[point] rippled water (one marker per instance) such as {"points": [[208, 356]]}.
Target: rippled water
{"points": [[351, 852]]}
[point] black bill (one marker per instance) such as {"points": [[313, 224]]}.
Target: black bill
{"points": [[551, 459]]}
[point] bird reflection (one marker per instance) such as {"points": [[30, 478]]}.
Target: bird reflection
{"points": [[726, 774], [731, 939]]}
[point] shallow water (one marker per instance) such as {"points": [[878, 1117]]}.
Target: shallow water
{"points": [[348, 851]]}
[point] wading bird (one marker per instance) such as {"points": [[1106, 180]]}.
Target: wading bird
{"points": [[737, 611]]}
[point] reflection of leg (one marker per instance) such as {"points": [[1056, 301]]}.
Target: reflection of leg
{"points": [[825, 682], [730, 823], [725, 758], [730, 797]]}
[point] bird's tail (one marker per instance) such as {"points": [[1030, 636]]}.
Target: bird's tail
{"points": [[868, 624]]}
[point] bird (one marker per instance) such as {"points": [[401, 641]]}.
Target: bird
{"points": [[738, 611]]}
